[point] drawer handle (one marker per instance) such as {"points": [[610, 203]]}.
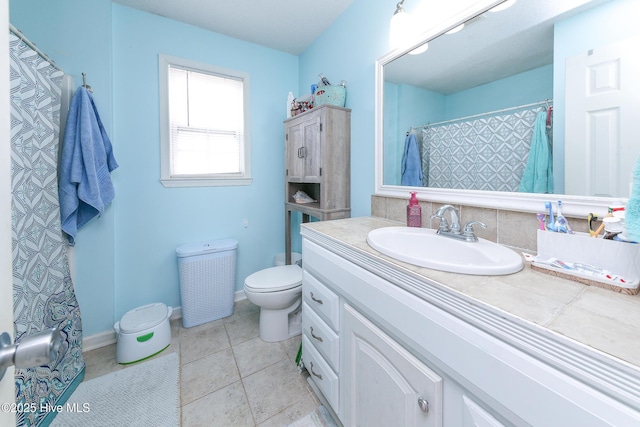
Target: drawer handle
{"points": [[314, 336], [313, 373], [424, 405], [319, 301]]}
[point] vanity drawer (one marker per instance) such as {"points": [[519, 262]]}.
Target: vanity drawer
{"points": [[321, 299], [321, 373], [321, 336]]}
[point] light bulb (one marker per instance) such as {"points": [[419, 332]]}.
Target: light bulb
{"points": [[400, 29], [420, 49], [502, 6], [455, 29]]}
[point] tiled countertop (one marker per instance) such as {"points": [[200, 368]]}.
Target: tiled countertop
{"points": [[601, 319]]}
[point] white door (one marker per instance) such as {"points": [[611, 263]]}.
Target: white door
{"points": [[382, 384], [7, 385], [602, 111]]}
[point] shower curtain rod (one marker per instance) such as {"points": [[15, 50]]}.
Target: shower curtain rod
{"points": [[32, 45], [548, 102]]}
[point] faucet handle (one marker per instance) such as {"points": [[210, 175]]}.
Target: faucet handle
{"points": [[468, 233], [444, 225]]}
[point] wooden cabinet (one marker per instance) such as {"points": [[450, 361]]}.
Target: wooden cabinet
{"points": [[304, 148], [385, 385], [318, 162]]}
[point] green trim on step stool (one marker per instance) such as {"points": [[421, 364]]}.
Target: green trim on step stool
{"points": [[144, 358]]}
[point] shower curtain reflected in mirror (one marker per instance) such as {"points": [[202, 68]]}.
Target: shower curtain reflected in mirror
{"points": [[43, 295], [487, 153]]}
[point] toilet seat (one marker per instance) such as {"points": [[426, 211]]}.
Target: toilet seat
{"points": [[274, 279]]}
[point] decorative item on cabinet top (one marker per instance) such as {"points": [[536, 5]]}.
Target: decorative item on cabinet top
{"points": [[322, 93]]}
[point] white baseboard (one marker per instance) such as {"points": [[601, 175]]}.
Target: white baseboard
{"points": [[103, 339]]}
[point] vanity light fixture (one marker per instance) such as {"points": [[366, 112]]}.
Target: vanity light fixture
{"points": [[502, 6], [400, 28], [403, 29]]}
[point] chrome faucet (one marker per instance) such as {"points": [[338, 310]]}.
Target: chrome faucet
{"points": [[444, 225], [453, 230]]}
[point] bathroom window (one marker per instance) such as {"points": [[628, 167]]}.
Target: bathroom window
{"points": [[204, 124]]}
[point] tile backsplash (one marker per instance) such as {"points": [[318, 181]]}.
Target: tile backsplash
{"points": [[509, 228]]}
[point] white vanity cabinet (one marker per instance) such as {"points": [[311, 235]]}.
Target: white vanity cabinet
{"points": [[383, 384], [405, 341], [320, 339]]}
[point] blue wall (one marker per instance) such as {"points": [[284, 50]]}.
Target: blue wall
{"points": [[348, 51], [77, 35], [127, 258], [153, 220], [520, 89], [406, 107]]}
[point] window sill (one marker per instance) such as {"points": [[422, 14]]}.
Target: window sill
{"points": [[205, 182]]}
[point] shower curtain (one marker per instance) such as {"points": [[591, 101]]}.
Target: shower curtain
{"points": [[43, 295], [488, 153]]}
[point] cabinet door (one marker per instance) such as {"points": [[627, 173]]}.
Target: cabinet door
{"points": [[304, 149], [383, 384], [475, 416]]}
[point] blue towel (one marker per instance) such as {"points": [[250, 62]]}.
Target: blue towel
{"points": [[85, 187], [411, 164], [632, 210], [538, 173]]}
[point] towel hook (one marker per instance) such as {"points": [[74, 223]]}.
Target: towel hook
{"points": [[84, 83]]}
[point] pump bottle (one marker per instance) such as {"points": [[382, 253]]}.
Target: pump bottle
{"points": [[414, 212]]}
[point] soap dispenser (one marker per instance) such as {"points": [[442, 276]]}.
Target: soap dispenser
{"points": [[414, 212]]}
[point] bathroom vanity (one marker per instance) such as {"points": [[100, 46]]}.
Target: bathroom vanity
{"points": [[390, 343]]}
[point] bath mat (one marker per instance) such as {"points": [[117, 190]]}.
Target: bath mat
{"points": [[139, 395], [318, 418]]}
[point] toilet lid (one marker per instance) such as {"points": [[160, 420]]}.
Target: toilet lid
{"points": [[275, 279], [142, 318]]}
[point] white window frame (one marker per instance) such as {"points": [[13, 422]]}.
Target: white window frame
{"points": [[209, 180]]}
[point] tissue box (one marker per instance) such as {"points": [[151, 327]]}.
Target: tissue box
{"points": [[620, 258]]}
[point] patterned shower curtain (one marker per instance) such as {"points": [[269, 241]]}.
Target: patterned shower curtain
{"points": [[43, 295], [488, 153]]}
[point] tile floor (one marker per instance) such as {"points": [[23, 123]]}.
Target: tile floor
{"points": [[228, 375]]}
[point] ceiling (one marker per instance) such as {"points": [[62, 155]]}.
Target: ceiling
{"points": [[285, 25], [490, 47]]}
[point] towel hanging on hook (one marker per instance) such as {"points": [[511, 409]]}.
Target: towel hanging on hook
{"points": [[84, 83]]}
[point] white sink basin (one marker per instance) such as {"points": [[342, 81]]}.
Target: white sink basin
{"points": [[425, 248]]}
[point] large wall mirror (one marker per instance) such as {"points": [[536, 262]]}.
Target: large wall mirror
{"points": [[485, 97]]}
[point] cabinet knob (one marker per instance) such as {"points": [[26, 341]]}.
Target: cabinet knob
{"points": [[424, 405]]}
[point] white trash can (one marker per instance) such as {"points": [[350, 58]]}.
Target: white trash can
{"points": [[207, 280]]}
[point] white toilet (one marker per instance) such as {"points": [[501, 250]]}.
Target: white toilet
{"points": [[278, 293]]}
